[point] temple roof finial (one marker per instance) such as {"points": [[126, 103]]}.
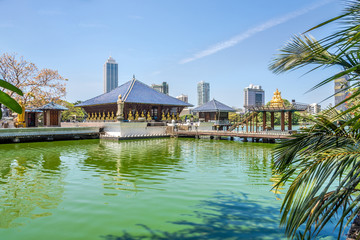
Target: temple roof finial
{"points": [[133, 76]]}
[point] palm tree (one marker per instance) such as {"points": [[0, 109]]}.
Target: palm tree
{"points": [[323, 162], [7, 100]]}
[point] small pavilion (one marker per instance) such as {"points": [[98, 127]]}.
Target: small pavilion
{"points": [[52, 114], [133, 101], [277, 105], [214, 111]]}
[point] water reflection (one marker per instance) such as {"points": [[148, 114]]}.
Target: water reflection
{"points": [[161, 176], [32, 185], [225, 216]]}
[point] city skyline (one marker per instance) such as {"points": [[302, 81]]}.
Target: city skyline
{"points": [[231, 43]]}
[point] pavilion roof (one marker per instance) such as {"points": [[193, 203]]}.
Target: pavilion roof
{"points": [[294, 107], [213, 106], [52, 106], [135, 91]]}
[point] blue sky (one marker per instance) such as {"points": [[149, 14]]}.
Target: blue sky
{"points": [[228, 43]]}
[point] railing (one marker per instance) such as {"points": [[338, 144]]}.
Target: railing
{"points": [[248, 118], [273, 132]]}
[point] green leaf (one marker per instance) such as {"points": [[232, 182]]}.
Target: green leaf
{"points": [[10, 103], [11, 87]]}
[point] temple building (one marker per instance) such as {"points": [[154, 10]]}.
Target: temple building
{"points": [[277, 105], [214, 111], [52, 114], [138, 102]]}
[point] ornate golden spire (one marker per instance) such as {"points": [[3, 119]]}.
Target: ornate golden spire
{"points": [[276, 100]]}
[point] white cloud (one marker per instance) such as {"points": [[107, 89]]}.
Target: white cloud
{"points": [[252, 31]]}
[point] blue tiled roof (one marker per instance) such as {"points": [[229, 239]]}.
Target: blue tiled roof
{"points": [[213, 106], [52, 106], [135, 91]]}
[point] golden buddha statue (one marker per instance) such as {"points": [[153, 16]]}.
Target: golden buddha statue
{"points": [[276, 100], [95, 116], [137, 115], [21, 116], [142, 115], [130, 117], [163, 118], [112, 116], [148, 117]]}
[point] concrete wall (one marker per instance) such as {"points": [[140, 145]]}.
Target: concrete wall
{"points": [[205, 126], [130, 129]]}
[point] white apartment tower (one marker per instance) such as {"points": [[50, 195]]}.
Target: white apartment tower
{"points": [[254, 95], [110, 75], [203, 89]]}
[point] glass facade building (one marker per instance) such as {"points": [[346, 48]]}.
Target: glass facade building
{"points": [[254, 95], [203, 89], [110, 75], [163, 88]]}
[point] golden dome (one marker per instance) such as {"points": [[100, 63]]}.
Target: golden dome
{"points": [[276, 100]]}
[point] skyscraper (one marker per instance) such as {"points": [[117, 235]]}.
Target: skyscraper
{"points": [[163, 88], [110, 75], [254, 95], [340, 93], [183, 98], [203, 89]]}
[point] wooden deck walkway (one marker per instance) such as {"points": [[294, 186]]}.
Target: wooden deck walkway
{"points": [[265, 136]]}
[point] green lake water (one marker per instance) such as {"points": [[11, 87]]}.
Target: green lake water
{"points": [[139, 189]]}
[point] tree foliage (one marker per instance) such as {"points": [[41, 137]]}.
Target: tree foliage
{"points": [[38, 85], [323, 162], [7, 100], [73, 113]]}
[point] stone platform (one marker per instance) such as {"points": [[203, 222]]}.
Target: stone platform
{"points": [[10, 135]]}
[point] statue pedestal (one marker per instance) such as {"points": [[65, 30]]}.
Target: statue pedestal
{"points": [[120, 118]]}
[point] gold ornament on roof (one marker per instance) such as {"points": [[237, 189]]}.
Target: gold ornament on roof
{"points": [[276, 100]]}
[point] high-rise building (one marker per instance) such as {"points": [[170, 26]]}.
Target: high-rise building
{"points": [[341, 84], [110, 75], [183, 98], [163, 88], [314, 108], [203, 89], [254, 95]]}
